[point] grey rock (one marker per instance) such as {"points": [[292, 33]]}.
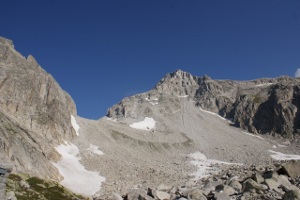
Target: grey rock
{"points": [[162, 195], [258, 178], [210, 186], [163, 187], [292, 195], [221, 196], [250, 185], [225, 189], [35, 113], [236, 185], [23, 184], [138, 194], [292, 169], [273, 184], [10, 196], [196, 194]]}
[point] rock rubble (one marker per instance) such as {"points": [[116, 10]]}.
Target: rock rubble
{"points": [[235, 182]]}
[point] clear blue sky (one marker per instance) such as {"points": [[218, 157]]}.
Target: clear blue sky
{"points": [[101, 51]]}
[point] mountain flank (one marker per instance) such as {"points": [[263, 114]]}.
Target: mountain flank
{"points": [[34, 112], [186, 132]]}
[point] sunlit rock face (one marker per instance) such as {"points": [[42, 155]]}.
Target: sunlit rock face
{"points": [[35, 113]]}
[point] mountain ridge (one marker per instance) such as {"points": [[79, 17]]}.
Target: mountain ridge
{"points": [[229, 98]]}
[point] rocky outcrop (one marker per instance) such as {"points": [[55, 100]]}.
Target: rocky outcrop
{"points": [[235, 182], [265, 106], [35, 113]]}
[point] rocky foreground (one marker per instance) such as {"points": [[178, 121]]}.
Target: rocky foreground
{"points": [[278, 181]]}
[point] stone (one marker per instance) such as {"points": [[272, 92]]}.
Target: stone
{"points": [[210, 186], [221, 196], [292, 195], [225, 189], [164, 187], [236, 185], [258, 178], [196, 194], [23, 184], [250, 185], [138, 194], [10, 196], [118, 196], [292, 169], [273, 184], [162, 195]]}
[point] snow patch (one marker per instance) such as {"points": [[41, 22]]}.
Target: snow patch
{"points": [[252, 135], [183, 96], [153, 102], [204, 165], [76, 177], [212, 113], [75, 125], [111, 119], [95, 150], [274, 146], [263, 84], [281, 156], [147, 124]]}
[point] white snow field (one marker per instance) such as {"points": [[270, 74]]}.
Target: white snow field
{"points": [[76, 177], [111, 119], [281, 156], [147, 124], [204, 165], [95, 150], [75, 125]]}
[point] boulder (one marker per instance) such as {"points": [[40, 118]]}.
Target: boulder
{"points": [[225, 189], [292, 169], [23, 184], [292, 195], [236, 185], [162, 195], [163, 187], [196, 194], [221, 196], [250, 185]]}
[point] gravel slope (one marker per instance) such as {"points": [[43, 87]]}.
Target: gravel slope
{"points": [[136, 158]]}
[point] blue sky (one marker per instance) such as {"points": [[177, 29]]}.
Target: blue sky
{"points": [[101, 51]]}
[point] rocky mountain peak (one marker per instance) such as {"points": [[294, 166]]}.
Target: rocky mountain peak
{"points": [[178, 83], [266, 106]]}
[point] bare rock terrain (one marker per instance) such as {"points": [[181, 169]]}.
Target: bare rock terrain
{"points": [[185, 132]]}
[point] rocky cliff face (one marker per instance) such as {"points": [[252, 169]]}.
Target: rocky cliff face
{"points": [[35, 113], [265, 106]]}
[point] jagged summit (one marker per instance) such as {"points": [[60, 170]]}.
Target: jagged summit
{"points": [[265, 106]]}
